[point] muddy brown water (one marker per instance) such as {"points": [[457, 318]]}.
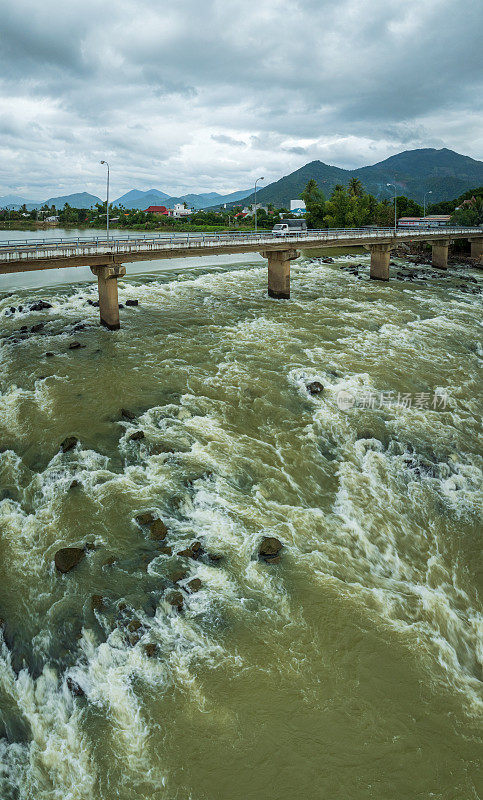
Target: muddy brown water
{"points": [[352, 669]]}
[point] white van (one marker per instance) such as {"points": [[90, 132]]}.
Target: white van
{"points": [[288, 226]]}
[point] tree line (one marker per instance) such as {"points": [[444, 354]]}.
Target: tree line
{"points": [[350, 207]]}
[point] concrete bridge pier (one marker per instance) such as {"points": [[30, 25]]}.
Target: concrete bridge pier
{"points": [[477, 249], [279, 272], [380, 258], [108, 298], [440, 253]]}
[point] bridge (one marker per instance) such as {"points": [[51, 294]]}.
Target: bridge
{"points": [[106, 258]]}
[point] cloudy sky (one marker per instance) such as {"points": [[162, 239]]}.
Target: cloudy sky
{"points": [[205, 95]]}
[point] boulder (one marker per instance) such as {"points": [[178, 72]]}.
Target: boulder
{"points": [[179, 575], [132, 302], [97, 602], [40, 305], [74, 688], [150, 649], [145, 518], [37, 328], [68, 557], [165, 551], [136, 436], [194, 585], [49, 355], [175, 599], [69, 443], [76, 346], [194, 551], [315, 387], [269, 549], [126, 414], [158, 530], [75, 484]]}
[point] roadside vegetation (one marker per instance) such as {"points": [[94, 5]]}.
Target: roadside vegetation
{"points": [[347, 207]]}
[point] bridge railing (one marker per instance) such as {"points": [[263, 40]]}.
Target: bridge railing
{"points": [[14, 250]]}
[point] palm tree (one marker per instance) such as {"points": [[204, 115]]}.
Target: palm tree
{"points": [[355, 187]]}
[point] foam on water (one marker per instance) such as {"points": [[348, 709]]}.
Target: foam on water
{"points": [[364, 500]]}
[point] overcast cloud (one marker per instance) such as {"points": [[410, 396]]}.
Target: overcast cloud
{"points": [[204, 95]]}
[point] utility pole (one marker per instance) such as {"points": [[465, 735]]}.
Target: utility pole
{"points": [[258, 179], [395, 207], [107, 203]]}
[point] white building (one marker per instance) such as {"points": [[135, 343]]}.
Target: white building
{"points": [[297, 206], [179, 211]]}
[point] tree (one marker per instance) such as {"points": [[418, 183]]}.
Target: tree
{"points": [[314, 203], [355, 188]]}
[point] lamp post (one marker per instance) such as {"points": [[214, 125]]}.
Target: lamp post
{"points": [[395, 207], [424, 202], [258, 179], [107, 199]]}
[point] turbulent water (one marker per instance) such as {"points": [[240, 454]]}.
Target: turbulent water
{"points": [[350, 670]]}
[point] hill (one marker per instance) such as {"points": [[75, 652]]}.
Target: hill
{"points": [[443, 172], [154, 197]]}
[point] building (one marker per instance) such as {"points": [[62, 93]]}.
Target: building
{"points": [[431, 221], [179, 210], [297, 207], [158, 211], [249, 211]]}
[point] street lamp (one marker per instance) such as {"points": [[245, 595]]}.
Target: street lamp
{"points": [[395, 207], [107, 200], [258, 179], [424, 202]]}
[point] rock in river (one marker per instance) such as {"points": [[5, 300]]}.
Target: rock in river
{"points": [[269, 550], [175, 599], [315, 387], [68, 558], [158, 530], [145, 518], [69, 443]]}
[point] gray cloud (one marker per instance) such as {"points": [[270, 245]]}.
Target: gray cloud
{"points": [[204, 96]]}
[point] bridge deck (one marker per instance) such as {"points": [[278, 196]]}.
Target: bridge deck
{"points": [[26, 255]]}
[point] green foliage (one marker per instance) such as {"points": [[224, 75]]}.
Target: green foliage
{"points": [[315, 204]]}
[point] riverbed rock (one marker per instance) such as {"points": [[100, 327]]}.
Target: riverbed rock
{"points": [[194, 551], [315, 387], [49, 355], [68, 557], [134, 625], [194, 585], [74, 688], [269, 549], [136, 436], [145, 518], [37, 328], [69, 443], [132, 302], [126, 414], [175, 599], [97, 602], [76, 346], [150, 649], [158, 530], [179, 575], [75, 484], [40, 305]]}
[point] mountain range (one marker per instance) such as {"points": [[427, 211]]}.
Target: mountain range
{"points": [[132, 199], [444, 173]]}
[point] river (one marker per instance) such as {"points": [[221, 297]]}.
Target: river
{"points": [[351, 669]]}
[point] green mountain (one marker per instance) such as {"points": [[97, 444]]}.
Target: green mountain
{"points": [[444, 173]]}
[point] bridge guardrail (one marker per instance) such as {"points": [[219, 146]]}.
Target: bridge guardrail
{"points": [[63, 248]]}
